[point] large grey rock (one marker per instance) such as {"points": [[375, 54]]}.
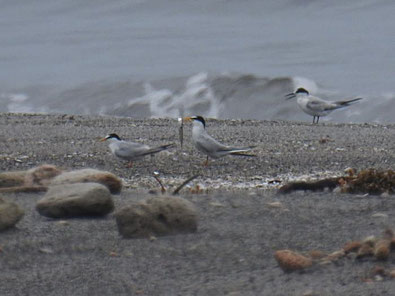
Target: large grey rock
{"points": [[112, 182], [76, 200], [10, 214], [157, 216]]}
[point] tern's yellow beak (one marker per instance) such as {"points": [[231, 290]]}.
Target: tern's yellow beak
{"points": [[102, 139], [187, 119]]}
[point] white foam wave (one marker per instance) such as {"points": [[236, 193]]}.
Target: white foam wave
{"points": [[17, 103], [212, 95], [196, 96]]}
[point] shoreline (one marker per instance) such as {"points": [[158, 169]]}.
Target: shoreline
{"points": [[285, 150]]}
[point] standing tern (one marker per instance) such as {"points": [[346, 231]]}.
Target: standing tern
{"points": [[208, 145], [129, 150], [315, 106]]}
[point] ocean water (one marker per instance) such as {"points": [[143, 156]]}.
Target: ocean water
{"points": [[217, 58]]}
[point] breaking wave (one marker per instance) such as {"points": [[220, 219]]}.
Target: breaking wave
{"points": [[218, 96]]}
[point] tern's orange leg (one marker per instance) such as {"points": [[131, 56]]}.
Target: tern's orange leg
{"points": [[206, 162]]}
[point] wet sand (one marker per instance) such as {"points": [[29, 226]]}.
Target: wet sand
{"points": [[232, 252]]}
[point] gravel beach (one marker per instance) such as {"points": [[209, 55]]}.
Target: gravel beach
{"points": [[239, 230]]}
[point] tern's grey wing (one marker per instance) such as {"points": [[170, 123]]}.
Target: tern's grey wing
{"points": [[316, 104], [210, 145], [130, 150], [215, 149], [156, 149]]}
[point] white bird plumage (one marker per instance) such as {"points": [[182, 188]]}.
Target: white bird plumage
{"points": [[210, 146], [315, 106], [131, 151]]}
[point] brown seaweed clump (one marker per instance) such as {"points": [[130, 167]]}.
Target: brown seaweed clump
{"points": [[317, 185], [375, 249], [370, 181], [34, 180]]}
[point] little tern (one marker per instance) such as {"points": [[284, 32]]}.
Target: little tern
{"points": [[315, 106], [129, 150], [208, 145]]}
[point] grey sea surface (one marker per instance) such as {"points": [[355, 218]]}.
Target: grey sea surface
{"points": [[224, 59], [238, 230]]}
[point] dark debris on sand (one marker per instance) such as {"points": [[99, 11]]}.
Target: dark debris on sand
{"points": [[368, 181]]}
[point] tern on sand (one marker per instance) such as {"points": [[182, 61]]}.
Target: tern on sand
{"points": [[208, 145], [315, 106], [129, 150]]}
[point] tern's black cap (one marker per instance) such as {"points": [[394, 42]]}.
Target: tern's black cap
{"points": [[113, 136], [201, 119], [301, 90]]}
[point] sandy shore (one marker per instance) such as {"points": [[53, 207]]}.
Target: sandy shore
{"points": [[232, 253]]}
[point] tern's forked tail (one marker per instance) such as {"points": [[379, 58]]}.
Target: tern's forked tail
{"points": [[347, 102], [159, 148], [243, 151], [243, 154]]}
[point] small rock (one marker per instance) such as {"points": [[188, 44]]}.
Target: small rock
{"points": [[76, 200], [46, 251], [216, 204], [378, 278], [308, 293], [380, 215], [382, 249], [112, 182], [234, 293], [274, 181], [10, 214], [275, 204], [291, 261], [157, 216]]}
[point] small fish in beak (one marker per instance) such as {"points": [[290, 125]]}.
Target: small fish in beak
{"points": [[181, 131]]}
